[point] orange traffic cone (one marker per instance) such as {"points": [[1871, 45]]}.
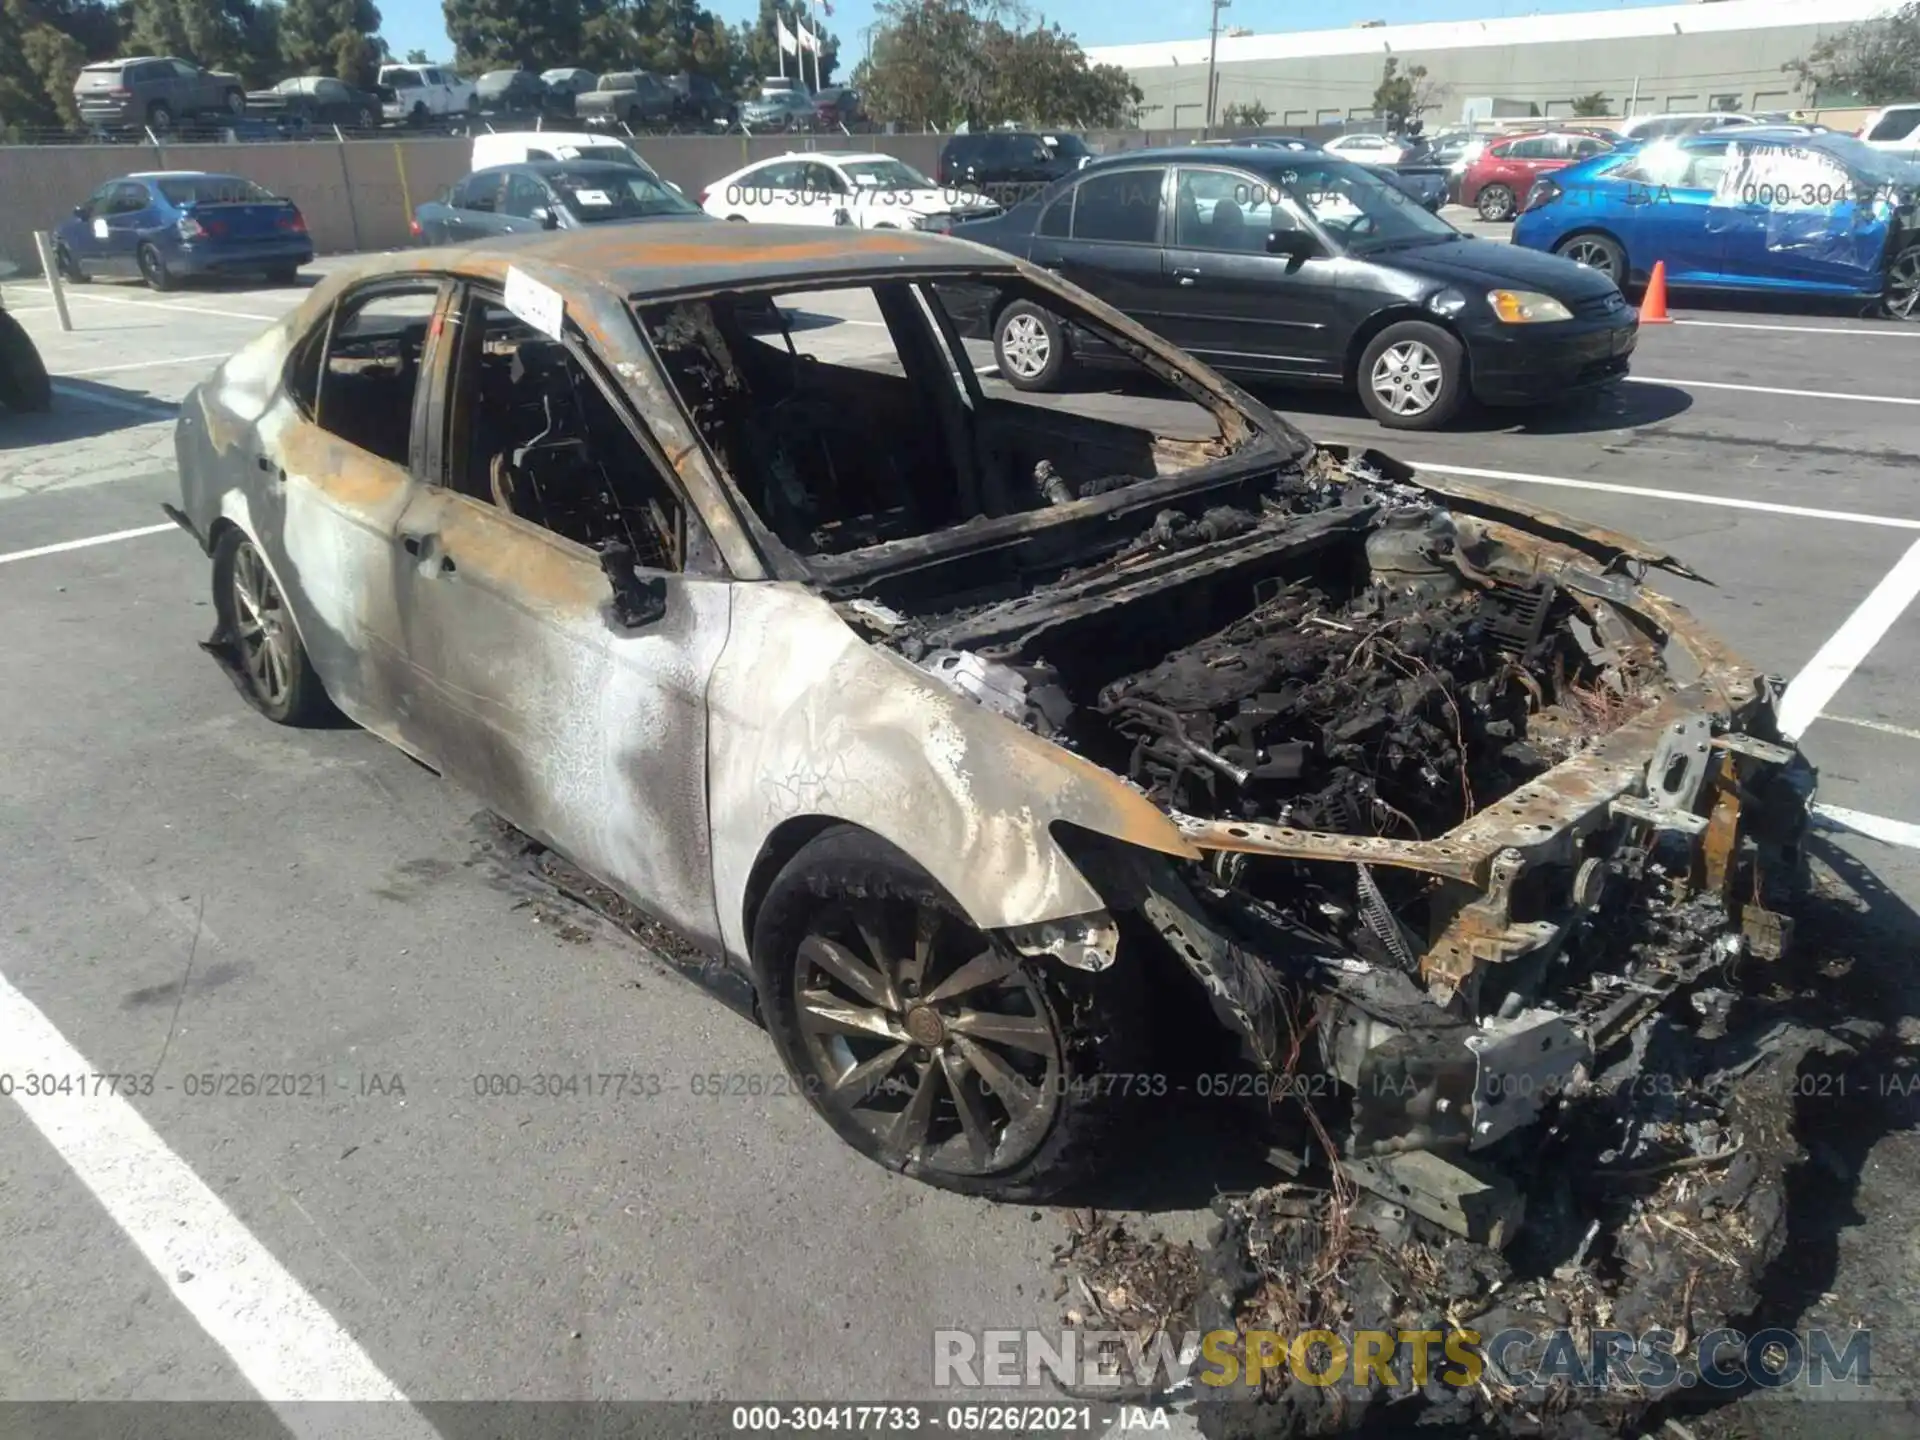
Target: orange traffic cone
{"points": [[1653, 305]]}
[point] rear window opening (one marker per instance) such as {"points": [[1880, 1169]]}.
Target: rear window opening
{"points": [[867, 416], [214, 190]]}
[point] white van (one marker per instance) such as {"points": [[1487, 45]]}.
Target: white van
{"points": [[517, 147]]}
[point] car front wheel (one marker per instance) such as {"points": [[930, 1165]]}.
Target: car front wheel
{"points": [[1412, 377], [932, 1048], [1903, 284], [258, 639], [1596, 252], [1495, 203], [1030, 347]]}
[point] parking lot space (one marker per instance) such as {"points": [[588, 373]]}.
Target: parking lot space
{"points": [[197, 893]]}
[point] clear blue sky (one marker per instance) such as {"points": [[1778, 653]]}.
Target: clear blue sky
{"points": [[418, 23]]}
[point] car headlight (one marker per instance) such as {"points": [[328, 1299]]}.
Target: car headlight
{"points": [[1526, 307]]}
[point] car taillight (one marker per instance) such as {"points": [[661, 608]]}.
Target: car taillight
{"points": [[1544, 192], [414, 226], [296, 223], [120, 92], [191, 229], [704, 194]]}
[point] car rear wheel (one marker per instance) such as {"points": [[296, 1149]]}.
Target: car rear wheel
{"points": [[70, 269], [153, 268], [1596, 252], [257, 635], [1029, 346], [930, 1047], [1903, 284], [160, 116], [1412, 377], [1495, 203], [236, 102], [283, 274], [363, 118]]}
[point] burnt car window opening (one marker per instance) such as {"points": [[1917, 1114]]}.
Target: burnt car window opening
{"points": [[848, 439], [366, 382], [531, 431], [595, 195], [1359, 209]]}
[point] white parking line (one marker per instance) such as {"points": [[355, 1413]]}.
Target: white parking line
{"points": [[1731, 502], [91, 540], [1874, 827], [278, 1336], [73, 293], [152, 409], [144, 365], [1885, 729], [1809, 692], [1774, 390], [1900, 332]]}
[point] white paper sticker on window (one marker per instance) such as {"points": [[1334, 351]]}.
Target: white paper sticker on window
{"points": [[539, 305], [592, 197], [99, 229]]}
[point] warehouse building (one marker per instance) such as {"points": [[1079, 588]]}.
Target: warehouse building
{"points": [[1703, 56]]}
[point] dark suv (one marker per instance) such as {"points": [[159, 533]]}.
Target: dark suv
{"points": [[697, 100], [1009, 165], [155, 91]]}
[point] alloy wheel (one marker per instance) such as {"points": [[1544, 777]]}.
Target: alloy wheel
{"points": [[926, 1034], [1593, 253], [1407, 377], [1903, 284], [261, 627], [1024, 346], [152, 268]]}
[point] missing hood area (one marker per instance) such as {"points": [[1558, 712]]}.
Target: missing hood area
{"points": [[1499, 861]]}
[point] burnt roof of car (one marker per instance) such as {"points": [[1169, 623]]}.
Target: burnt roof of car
{"points": [[665, 255]]}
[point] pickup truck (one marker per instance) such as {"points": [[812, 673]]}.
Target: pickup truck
{"points": [[413, 93]]}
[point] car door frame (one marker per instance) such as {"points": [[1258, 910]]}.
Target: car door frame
{"points": [[625, 802], [510, 223], [126, 228], [1209, 289], [1138, 287]]}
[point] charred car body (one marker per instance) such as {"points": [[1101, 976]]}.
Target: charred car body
{"points": [[946, 715]]}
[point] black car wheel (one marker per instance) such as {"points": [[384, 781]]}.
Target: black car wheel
{"points": [[70, 268], [363, 118], [1596, 252], [1029, 346], [153, 269], [236, 102], [1412, 376], [283, 274], [257, 634], [1495, 203], [1903, 284], [159, 116], [928, 1046], [24, 384]]}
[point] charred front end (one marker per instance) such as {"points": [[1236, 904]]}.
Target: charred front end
{"points": [[1472, 804]]}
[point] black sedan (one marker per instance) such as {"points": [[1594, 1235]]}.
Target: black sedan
{"points": [[548, 195], [1305, 268]]}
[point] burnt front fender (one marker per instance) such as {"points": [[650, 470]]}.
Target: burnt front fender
{"points": [[810, 722]]}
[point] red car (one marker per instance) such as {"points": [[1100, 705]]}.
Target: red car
{"points": [[1497, 183]]}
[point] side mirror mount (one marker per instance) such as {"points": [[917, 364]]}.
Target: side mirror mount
{"points": [[544, 214], [1296, 245], [80, 212], [638, 601]]}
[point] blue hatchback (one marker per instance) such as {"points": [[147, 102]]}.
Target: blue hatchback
{"points": [[168, 225], [1753, 208]]}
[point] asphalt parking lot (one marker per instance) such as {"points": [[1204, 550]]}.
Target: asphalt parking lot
{"points": [[195, 891]]}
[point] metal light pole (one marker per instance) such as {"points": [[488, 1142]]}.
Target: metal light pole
{"points": [[1213, 50]]}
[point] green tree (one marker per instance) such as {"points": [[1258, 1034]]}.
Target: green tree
{"points": [[1873, 63], [1245, 115], [502, 34], [43, 44], [331, 37], [1594, 104], [417, 56], [755, 49], [1403, 96]]}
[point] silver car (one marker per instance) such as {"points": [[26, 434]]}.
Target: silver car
{"points": [[987, 739]]}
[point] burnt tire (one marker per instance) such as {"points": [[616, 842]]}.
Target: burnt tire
{"points": [[1413, 376], [23, 375], [924, 1112], [250, 606], [1030, 347], [1495, 203]]}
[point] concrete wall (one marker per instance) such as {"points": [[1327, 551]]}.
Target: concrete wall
{"points": [[1679, 72]]}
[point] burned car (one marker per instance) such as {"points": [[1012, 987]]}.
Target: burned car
{"points": [[948, 715]]}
